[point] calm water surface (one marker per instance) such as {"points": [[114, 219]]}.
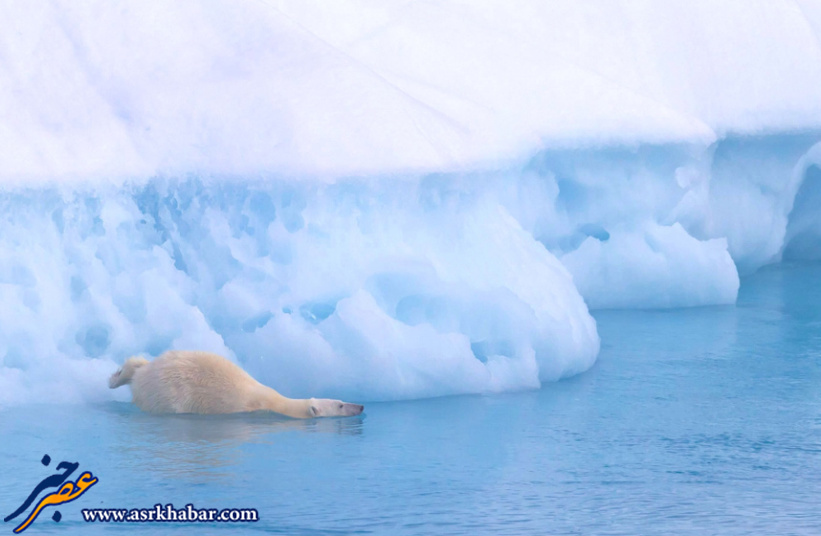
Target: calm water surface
{"points": [[696, 421]]}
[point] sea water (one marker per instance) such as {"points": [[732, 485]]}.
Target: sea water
{"points": [[693, 421]]}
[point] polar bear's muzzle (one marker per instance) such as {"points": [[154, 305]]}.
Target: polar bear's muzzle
{"points": [[324, 407], [349, 410]]}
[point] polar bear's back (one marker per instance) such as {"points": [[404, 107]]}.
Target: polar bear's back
{"points": [[192, 382]]}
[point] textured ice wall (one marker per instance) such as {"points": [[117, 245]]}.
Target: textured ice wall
{"points": [[674, 225], [363, 290], [803, 236], [385, 289]]}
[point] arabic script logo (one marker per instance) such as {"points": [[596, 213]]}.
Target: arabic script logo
{"points": [[66, 492]]}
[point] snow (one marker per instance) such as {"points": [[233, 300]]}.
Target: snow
{"points": [[132, 89]]}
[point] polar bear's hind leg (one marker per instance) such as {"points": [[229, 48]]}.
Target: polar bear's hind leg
{"points": [[125, 374]]}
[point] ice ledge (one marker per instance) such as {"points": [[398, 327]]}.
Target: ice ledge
{"points": [[95, 90]]}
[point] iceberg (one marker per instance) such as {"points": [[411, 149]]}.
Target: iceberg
{"points": [[388, 200]]}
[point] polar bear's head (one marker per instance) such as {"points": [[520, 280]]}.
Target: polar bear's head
{"points": [[325, 407]]}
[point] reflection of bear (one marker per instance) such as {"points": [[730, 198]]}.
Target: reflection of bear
{"points": [[201, 382]]}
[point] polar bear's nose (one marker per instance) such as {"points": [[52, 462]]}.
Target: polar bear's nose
{"points": [[353, 409]]}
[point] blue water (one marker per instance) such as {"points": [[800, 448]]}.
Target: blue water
{"points": [[695, 421]]}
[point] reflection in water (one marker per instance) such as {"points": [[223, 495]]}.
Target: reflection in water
{"points": [[205, 447], [237, 428]]}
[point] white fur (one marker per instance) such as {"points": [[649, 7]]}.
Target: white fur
{"points": [[201, 382]]}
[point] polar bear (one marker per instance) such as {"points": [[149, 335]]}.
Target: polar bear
{"points": [[202, 382]]}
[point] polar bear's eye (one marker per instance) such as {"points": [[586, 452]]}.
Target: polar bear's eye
{"points": [[340, 406]]}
